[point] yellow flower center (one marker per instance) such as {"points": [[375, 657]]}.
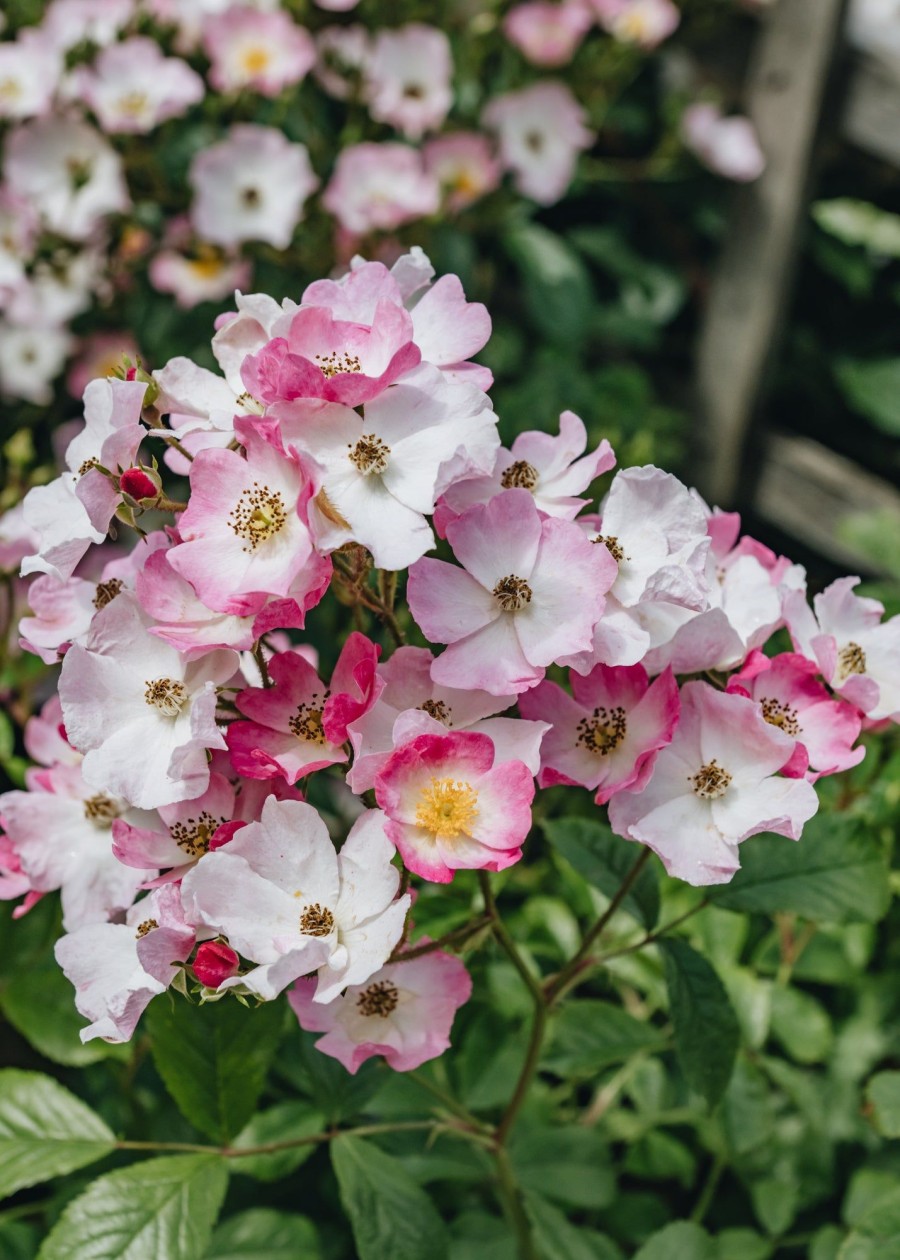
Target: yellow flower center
{"points": [[851, 660], [258, 515], [447, 808], [255, 59]]}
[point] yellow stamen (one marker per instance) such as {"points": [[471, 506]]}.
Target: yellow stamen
{"points": [[447, 808]]}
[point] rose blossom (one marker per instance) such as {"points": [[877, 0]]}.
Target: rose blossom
{"points": [[642, 22], [464, 165], [379, 187], [132, 87], [407, 78], [728, 146], [548, 33], [404, 1012], [266, 52], [541, 130]]}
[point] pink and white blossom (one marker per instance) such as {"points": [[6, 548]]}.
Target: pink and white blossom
{"points": [[464, 165], [540, 131], [132, 87], [404, 1012], [30, 69], [714, 786], [379, 187], [548, 33], [141, 713], [286, 901], [728, 146], [30, 360], [407, 78], [118, 968], [450, 806], [531, 591], [606, 735], [180, 834], [251, 186], [342, 55], [265, 52], [645, 23]]}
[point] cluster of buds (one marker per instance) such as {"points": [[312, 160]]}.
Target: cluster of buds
{"points": [[346, 435]]}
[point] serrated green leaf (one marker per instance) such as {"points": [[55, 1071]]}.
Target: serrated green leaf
{"points": [[569, 1165], [683, 1239], [605, 860], [589, 1035], [883, 1093], [284, 1122], [558, 1239], [263, 1232], [389, 1214], [213, 1058], [837, 873], [159, 1209], [877, 1235], [44, 1131], [860, 223], [706, 1027]]}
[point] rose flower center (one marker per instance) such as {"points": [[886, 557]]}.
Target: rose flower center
{"points": [[447, 808]]}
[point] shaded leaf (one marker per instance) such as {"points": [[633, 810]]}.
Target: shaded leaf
{"points": [[44, 1131], [872, 387], [389, 1214], [213, 1059], [682, 1239], [556, 283], [558, 1239], [706, 1027], [264, 1232], [284, 1122], [883, 1093], [590, 1034], [159, 1209], [605, 860]]}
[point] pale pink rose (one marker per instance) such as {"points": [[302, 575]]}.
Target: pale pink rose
{"points": [[30, 69], [142, 714], [70, 22], [30, 360], [379, 187], [45, 737], [606, 735], [55, 291], [857, 652], [251, 186], [412, 704], [378, 475], [117, 968], [266, 52], [407, 78], [643, 22], [285, 735], [548, 33], [404, 1012], [712, 787], [555, 470], [540, 131], [464, 165], [60, 831], [244, 536], [178, 835], [100, 354], [728, 146], [285, 900], [531, 591], [203, 275], [132, 87], [68, 173], [791, 696], [342, 55], [451, 806]]}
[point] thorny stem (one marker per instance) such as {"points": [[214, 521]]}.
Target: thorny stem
{"points": [[271, 1148], [261, 662], [165, 504]]}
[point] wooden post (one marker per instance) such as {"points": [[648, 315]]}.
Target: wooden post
{"points": [[751, 287]]}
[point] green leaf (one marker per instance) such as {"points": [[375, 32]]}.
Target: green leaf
{"points": [[556, 283], [264, 1232], [331, 1088], [558, 1239], [836, 873], [801, 1024], [158, 1209], [590, 1035], [883, 1094], [706, 1027], [683, 1240], [742, 1244], [860, 223], [604, 860], [389, 1214], [213, 1058], [284, 1122], [872, 387], [44, 1131], [569, 1165], [877, 1234]]}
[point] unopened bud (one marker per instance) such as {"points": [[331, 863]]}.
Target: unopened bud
{"points": [[214, 963], [140, 485]]}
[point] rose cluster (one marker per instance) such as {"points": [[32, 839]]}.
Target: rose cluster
{"points": [[197, 764], [90, 208]]}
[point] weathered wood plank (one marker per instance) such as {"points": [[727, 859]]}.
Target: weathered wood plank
{"points": [[812, 494], [786, 83], [871, 117]]}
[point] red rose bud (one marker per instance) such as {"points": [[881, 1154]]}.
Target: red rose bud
{"points": [[138, 485], [214, 963]]}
